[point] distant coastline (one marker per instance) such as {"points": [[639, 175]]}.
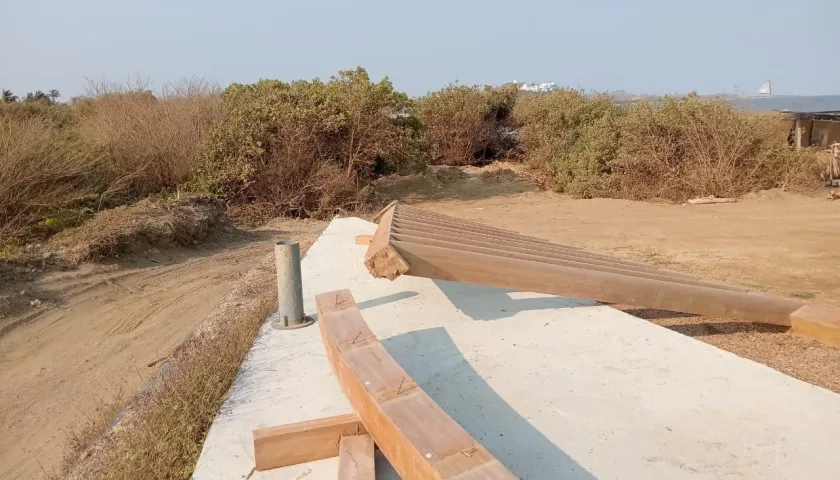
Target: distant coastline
{"points": [[792, 103]]}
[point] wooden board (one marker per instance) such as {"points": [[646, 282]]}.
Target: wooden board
{"points": [[303, 442], [355, 458], [364, 239], [411, 241], [419, 439]]}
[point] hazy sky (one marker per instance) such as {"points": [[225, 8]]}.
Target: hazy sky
{"points": [[642, 46]]}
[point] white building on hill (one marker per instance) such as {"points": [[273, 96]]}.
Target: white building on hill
{"points": [[533, 87]]}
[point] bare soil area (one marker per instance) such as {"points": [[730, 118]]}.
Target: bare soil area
{"points": [[98, 332], [97, 329]]}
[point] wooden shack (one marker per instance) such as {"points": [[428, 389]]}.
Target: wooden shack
{"points": [[814, 129]]}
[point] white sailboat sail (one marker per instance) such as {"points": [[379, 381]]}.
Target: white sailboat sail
{"points": [[765, 89]]}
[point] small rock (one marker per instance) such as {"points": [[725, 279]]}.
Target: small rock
{"points": [[23, 292], [35, 303], [47, 255]]}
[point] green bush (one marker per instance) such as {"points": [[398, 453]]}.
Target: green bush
{"points": [[463, 125], [306, 148], [570, 139], [673, 149], [682, 148]]}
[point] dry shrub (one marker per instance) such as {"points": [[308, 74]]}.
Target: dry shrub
{"points": [[308, 148], [684, 148], [464, 125], [443, 175], [570, 140], [145, 224], [674, 149], [153, 142], [498, 175], [45, 171]]}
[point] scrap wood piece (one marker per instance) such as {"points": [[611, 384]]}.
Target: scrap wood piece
{"points": [[364, 239], [818, 323], [380, 255], [420, 440], [710, 199], [355, 458], [412, 241], [303, 442]]}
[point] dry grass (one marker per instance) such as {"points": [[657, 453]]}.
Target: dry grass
{"points": [[163, 431], [153, 142], [82, 435], [498, 175], [61, 163], [444, 175], [44, 171], [132, 228]]}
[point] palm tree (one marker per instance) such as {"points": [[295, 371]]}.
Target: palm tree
{"points": [[53, 94], [9, 97]]}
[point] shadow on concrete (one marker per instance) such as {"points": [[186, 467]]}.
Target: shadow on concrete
{"points": [[488, 303], [394, 297], [434, 361]]}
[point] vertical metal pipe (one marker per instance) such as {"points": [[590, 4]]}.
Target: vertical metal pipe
{"points": [[289, 285]]}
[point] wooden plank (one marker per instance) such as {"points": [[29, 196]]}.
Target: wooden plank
{"points": [[477, 268], [798, 135], [710, 200], [416, 436], [489, 249], [384, 209], [355, 458], [818, 323], [303, 442], [364, 239], [411, 221]]}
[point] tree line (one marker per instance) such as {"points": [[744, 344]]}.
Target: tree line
{"points": [[50, 97]]}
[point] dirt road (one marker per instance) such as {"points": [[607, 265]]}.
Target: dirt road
{"points": [[98, 330], [108, 323]]}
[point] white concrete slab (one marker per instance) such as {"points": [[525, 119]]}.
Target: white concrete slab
{"points": [[553, 387]]}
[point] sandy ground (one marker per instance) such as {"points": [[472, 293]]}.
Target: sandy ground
{"points": [[99, 331], [100, 326]]}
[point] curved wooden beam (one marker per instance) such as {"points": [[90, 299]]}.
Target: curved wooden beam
{"points": [[420, 440], [411, 241]]}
